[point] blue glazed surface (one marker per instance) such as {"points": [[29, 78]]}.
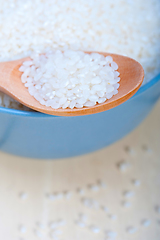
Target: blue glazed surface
{"points": [[37, 135]]}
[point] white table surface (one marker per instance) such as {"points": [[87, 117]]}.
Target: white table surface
{"points": [[91, 197]]}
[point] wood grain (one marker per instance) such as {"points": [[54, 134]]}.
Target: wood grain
{"points": [[131, 74]]}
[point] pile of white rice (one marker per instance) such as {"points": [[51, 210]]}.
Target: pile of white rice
{"points": [[127, 27], [70, 79]]}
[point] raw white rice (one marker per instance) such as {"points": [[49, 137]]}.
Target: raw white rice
{"points": [[70, 79], [127, 27]]}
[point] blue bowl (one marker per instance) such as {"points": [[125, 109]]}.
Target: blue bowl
{"points": [[36, 135]]}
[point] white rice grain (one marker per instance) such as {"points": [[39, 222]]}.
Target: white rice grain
{"points": [[52, 84]]}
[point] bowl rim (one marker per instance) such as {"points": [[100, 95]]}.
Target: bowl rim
{"points": [[38, 114]]}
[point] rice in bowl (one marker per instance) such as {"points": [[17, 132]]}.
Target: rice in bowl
{"points": [[125, 27]]}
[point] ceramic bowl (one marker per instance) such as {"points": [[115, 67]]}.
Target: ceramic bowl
{"points": [[36, 135]]}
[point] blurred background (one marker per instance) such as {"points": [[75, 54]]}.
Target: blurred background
{"points": [[113, 193]]}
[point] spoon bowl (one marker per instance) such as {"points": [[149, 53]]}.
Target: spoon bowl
{"points": [[131, 78]]}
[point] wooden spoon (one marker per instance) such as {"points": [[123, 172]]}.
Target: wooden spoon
{"points": [[131, 75]]}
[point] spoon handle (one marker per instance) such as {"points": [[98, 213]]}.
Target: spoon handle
{"points": [[8, 71], [5, 71]]}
